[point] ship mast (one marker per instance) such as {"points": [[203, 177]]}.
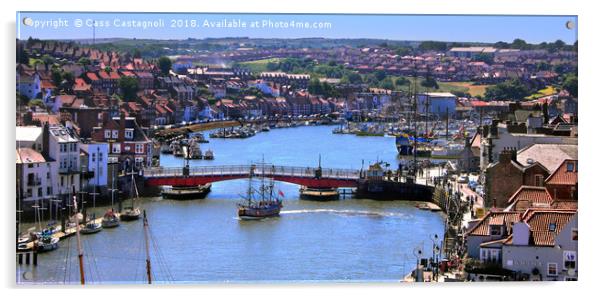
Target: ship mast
{"points": [[148, 264], [79, 243]]}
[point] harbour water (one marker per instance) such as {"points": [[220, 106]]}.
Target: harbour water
{"points": [[204, 241]]}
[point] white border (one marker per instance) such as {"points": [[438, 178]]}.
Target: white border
{"points": [[590, 70]]}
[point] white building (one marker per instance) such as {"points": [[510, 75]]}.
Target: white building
{"points": [[35, 175], [64, 148], [28, 84], [98, 153], [30, 137], [544, 246]]}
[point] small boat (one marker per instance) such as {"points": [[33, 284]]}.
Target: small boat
{"points": [[187, 193], [131, 213], [110, 220], [319, 194], [208, 155], [47, 243], [91, 228]]}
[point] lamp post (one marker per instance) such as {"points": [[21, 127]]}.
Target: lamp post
{"points": [[418, 255], [435, 238]]}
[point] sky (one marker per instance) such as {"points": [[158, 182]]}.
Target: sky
{"points": [[461, 28]]}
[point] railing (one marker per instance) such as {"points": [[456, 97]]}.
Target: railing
{"points": [[257, 170]]}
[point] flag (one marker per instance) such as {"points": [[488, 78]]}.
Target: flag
{"points": [[280, 193]]}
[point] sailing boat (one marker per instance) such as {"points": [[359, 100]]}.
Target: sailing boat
{"points": [[110, 219], [92, 226], [132, 213], [266, 206]]}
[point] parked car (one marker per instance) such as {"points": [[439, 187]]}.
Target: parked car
{"points": [[463, 179]]}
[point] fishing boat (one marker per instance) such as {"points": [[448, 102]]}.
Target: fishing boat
{"points": [[47, 243], [265, 206], [208, 155], [110, 219], [192, 150], [91, 227], [319, 194], [131, 213], [186, 193]]}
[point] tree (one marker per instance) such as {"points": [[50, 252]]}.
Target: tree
{"points": [[129, 87], [164, 65], [387, 83], [57, 77], [571, 84], [36, 102], [433, 46], [403, 51], [84, 61], [519, 44], [484, 57], [271, 66], [401, 81], [137, 54], [47, 61], [353, 78], [429, 81], [380, 75], [512, 89]]}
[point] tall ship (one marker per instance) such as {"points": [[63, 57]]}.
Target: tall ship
{"points": [[261, 202]]}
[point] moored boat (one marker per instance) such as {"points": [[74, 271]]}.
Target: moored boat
{"points": [[47, 243], [186, 193], [110, 220], [319, 194]]}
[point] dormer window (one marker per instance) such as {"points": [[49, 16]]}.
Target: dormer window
{"points": [[552, 227], [570, 167], [495, 230], [129, 134]]}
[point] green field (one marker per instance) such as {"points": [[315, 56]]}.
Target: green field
{"points": [[259, 65], [547, 91], [467, 87]]}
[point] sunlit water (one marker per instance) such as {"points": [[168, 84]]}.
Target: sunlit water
{"points": [[203, 241]]}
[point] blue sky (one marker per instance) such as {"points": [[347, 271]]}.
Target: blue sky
{"points": [[533, 29]]}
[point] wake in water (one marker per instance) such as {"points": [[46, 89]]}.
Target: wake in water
{"points": [[346, 212]]}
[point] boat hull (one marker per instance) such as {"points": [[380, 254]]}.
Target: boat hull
{"points": [[321, 195], [188, 193], [257, 213], [390, 190]]}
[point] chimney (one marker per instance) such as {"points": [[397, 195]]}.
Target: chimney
{"points": [[493, 128], [121, 127], [506, 156], [46, 140]]}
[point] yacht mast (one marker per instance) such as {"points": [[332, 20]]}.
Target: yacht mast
{"points": [[148, 264], [79, 243]]}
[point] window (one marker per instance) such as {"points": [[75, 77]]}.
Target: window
{"points": [[40, 194], [100, 156], [116, 148], [574, 234], [62, 181], [495, 230], [539, 180], [129, 134], [115, 134], [139, 148], [552, 269], [93, 157], [552, 227], [570, 166], [49, 191], [570, 259], [107, 134], [47, 175]]}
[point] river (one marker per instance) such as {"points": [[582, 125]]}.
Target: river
{"points": [[350, 240]]}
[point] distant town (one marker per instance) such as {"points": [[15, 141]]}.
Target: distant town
{"points": [[505, 173]]}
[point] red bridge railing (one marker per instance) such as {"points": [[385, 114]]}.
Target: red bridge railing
{"points": [[246, 170]]}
